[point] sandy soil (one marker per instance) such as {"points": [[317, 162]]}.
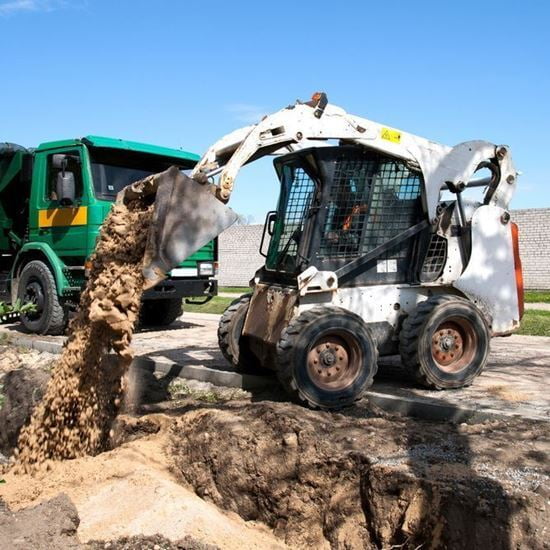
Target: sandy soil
{"points": [[131, 491], [214, 468]]}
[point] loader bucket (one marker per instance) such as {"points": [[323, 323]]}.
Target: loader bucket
{"points": [[187, 215]]}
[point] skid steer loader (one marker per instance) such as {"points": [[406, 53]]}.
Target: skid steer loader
{"points": [[365, 256]]}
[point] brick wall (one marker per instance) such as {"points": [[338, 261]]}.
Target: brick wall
{"points": [[534, 246], [239, 256]]}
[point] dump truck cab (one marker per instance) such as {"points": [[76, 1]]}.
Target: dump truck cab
{"points": [[53, 200]]}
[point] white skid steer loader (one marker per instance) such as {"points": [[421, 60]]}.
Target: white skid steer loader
{"points": [[365, 258]]}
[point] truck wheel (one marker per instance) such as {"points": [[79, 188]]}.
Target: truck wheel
{"points": [[233, 347], [445, 342], [37, 285], [160, 313], [326, 357]]}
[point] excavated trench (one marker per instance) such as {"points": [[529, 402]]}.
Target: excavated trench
{"points": [[84, 392], [325, 480], [319, 480]]}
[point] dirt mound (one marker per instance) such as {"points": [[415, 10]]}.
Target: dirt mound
{"points": [[23, 388], [83, 395], [155, 542], [52, 524], [328, 480], [12, 358], [130, 491]]}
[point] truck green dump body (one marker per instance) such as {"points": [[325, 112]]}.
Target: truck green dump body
{"points": [[38, 226]]}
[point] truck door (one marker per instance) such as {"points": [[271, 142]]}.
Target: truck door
{"points": [[63, 227]]}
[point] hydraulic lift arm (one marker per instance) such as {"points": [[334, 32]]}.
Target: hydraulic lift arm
{"points": [[306, 124], [191, 211]]}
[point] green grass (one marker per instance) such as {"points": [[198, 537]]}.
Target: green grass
{"points": [[537, 296], [217, 305], [535, 322], [234, 289]]}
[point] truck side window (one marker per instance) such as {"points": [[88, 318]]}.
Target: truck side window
{"points": [[73, 165]]}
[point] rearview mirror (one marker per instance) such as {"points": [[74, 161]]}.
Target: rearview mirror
{"points": [[59, 161], [65, 188], [271, 219], [269, 226]]}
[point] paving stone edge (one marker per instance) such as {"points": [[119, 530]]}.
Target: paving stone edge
{"points": [[409, 406]]}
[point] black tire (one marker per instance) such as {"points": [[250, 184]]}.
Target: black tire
{"points": [[309, 364], [232, 345], [160, 313], [445, 342], [37, 285]]}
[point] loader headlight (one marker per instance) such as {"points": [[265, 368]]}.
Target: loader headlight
{"points": [[205, 269]]}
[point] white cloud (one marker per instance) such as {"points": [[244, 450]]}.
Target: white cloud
{"points": [[248, 113], [20, 6]]}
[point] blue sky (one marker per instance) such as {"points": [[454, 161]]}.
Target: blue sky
{"points": [[182, 73]]}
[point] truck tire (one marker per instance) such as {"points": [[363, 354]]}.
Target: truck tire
{"points": [[326, 357], [445, 342], [37, 285], [160, 313], [233, 347]]}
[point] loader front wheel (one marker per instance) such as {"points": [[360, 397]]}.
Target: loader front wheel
{"points": [[160, 313], [326, 357], [445, 342], [231, 343]]}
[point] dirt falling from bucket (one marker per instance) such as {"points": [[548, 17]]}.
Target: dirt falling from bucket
{"points": [[83, 395]]}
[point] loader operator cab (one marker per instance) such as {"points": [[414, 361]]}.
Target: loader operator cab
{"points": [[339, 203]]}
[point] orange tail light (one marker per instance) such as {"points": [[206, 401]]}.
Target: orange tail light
{"points": [[518, 270]]}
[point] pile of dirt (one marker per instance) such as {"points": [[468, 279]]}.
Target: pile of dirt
{"points": [[154, 542], [52, 524], [22, 389], [12, 358], [328, 480], [129, 494], [83, 395]]}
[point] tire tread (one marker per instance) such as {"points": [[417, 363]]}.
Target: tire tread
{"points": [[288, 341]]}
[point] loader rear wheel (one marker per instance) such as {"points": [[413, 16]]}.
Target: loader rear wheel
{"points": [[445, 342], [326, 357], [232, 345], [37, 286], [160, 313]]}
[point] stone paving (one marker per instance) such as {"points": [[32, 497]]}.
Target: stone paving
{"points": [[515, 381], [538, 305]]}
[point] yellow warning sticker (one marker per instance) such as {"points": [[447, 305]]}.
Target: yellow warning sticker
{"points": [[391, 135]]}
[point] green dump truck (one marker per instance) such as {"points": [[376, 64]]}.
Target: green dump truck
{"points": [[53, 200]]}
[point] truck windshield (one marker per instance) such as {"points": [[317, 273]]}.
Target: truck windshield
{"points": [[114, 169]]}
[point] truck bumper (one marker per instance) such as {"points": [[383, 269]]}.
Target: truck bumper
{"points": [[180, 288]]}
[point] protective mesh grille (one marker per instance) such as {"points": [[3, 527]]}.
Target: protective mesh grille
{"points": [[435, 258], [371, 201], [300, 195]]}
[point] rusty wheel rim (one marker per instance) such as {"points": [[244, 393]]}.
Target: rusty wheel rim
{"points": [[454, 344], [334, 361]]}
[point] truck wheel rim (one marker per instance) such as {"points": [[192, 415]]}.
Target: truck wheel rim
{"points": [[454, 344], [334, 361], [35, 295]]}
